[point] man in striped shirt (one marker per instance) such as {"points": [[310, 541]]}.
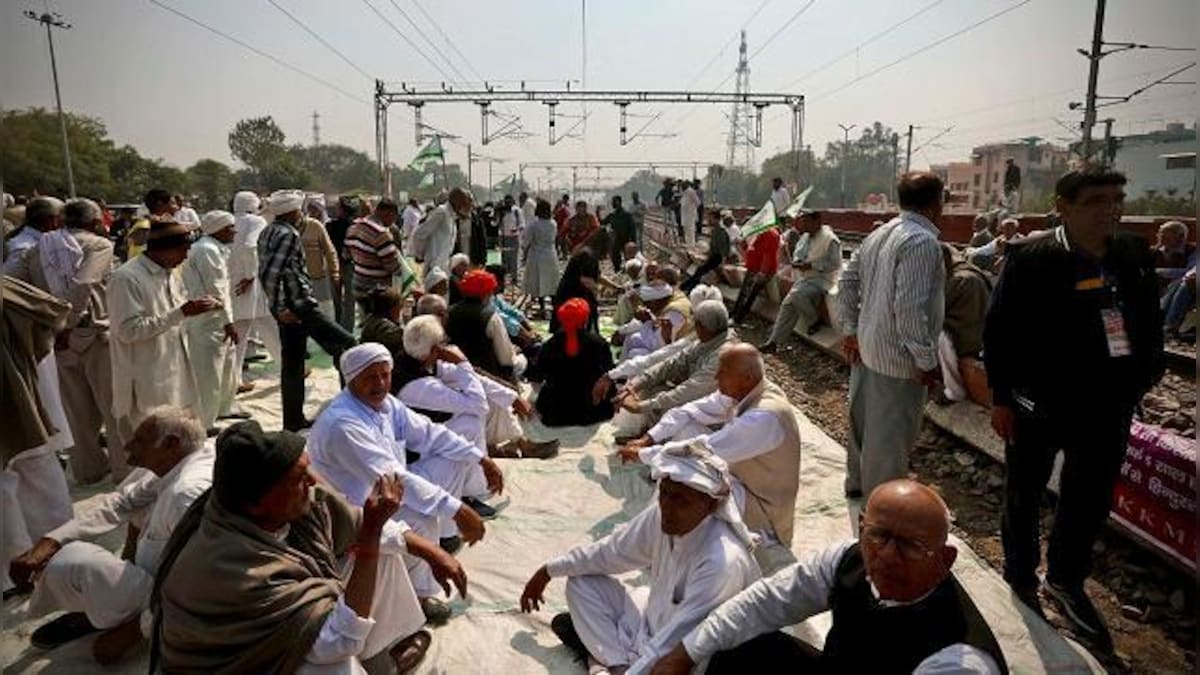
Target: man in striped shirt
{"points": [[284, 278], [375, 253], [890, 310]]}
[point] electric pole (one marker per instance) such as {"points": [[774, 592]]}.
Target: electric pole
{"points": [[55, 21], [845, 157], [908, 150], [316, 129], [1089, 111]]}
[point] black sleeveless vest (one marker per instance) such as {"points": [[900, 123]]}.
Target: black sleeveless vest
{"points": [[869, 638], [466, 326]]}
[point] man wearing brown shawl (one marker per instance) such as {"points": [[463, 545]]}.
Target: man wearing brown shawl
{"points": [[254, 577]]}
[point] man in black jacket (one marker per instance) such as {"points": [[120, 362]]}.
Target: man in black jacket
{"points": [[1088, 293]]}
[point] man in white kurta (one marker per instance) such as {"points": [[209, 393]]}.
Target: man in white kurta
{"points": [[689, 213], [251, 315], [147, 306], [366, 432], [434, 238], [691, 544], [76, 575], [212, 338], [817, 261]]}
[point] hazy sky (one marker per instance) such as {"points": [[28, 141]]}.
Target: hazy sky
{"points": [[173, 89]]}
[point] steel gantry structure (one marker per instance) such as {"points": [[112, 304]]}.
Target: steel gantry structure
{"points": [[551, 98]]}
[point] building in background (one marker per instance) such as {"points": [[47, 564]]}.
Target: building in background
{"points": [[1161, 162], [1041, 164], [957, 177]]}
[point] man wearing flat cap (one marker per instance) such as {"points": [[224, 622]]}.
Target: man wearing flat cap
{"points": [[147, 306], [284, 277], [271, 572], [212, 337]]}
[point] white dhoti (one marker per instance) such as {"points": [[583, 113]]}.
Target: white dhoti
{"points": [[212, 359], [951, 378], [688, 431], [607, 617], [34, 496], [688, 219], [84, 577], [502, 425], [457, 478], [263, 327]]}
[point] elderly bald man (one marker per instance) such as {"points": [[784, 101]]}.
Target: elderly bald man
{"points": [[366, 432], [749, 423], [897, 607]]}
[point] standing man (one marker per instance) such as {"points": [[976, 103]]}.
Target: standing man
{"points": [[212, 337], [1092, 294], [375, 253], [84, 363], [147, 307], [780, 197], [817, 260], [250, 311], [890, 307], [511, 225], [433, 240], [1012, 185], [624, 230], [637, 209], [43, 214], [343, 302], [667, 202], [528, 206], [285, 281], [409, 219], [689, 212]]}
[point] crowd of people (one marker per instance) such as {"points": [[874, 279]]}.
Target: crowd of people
{"points": [[331, 541]]}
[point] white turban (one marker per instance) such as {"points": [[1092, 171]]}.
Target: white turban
{"points": [[215, 221], [245, 202], [359, 358], [434, 277], [693, 464], [459, 259], [652, 292], [704, 292], [285, 201]]}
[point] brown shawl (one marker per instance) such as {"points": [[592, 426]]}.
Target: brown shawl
{"points": [[233, 598], [31, 317]]}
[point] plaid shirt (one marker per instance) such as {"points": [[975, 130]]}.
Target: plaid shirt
{"points": [[281, 268]]}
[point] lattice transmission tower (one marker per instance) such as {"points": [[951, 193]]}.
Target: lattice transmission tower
{"points": [[740, 152]]}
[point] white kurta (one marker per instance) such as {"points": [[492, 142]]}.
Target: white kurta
{"points": [[409, 218], [690, 576], [205, 272], [689, 213], [456, 390], [352, 444], [251, 314], [433, 238], [84, 577], [148, 345]]}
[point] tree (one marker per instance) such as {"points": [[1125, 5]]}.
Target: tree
{"points": [[211, 183], [337, 168], [31, 153], [257, 142]]}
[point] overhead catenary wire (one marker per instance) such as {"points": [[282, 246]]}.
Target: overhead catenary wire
{"points": [[317, 36], [408, 40], [435, 48]]}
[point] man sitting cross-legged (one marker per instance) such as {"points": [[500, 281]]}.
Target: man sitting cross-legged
{"points": [[756, 433], [437, 381], [366, 432], [269, 571], [99, 590], [692, 544], [897, 608]]}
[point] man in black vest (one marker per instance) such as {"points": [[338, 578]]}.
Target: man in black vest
{"points": [[1091, 294], [475, 328], [896, 606]]}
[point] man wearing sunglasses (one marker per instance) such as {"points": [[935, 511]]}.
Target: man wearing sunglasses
{"points": [[896, 606]]}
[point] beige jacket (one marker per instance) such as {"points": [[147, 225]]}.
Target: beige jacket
{"points": [[771, 479], [319, 255]]}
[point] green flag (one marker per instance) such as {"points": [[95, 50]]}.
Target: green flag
{"points": [[429, 154], [408, 278], [760, 222], [426, 180], [797, 204]]}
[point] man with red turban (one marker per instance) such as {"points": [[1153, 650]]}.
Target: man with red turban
{"points": [[572, 360], [474, 327]]}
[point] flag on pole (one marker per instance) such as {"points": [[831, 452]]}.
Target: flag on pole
{"points": [[426, 180], [760, 222], [408, 277], [793, 210], [509, 182], [428, 155]]}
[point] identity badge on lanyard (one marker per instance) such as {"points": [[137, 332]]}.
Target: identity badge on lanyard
{"points": [[1114, 328]]}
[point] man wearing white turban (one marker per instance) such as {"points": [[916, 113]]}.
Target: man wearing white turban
{"points": [[285, 280], [212, 337], [250, 312], [692, 545], [660, 320], [366, 432]]}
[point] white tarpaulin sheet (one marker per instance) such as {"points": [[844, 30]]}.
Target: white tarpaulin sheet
{"points": [[575, 498]]}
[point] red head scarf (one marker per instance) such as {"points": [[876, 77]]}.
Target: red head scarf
{"points": [[477, 284], [573, 315]]}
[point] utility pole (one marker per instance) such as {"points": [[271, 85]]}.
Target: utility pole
{"points": [[316, 128], [1089, 111], [1110, 143], [55, 21], [908, 150], [845, 157], [895, 165], [469, 163]]}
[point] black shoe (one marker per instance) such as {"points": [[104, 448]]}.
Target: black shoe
{"points": [[304, 424], [853, 494], [450, 545], [212, 432], [1077, 608], [767, 348], [254, 358], [564, 628], [1028, 595], [68, 627], [485, 512], [235, 415]]}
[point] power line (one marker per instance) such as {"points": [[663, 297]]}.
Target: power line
{"points": [[318, 38], [449, 42], [276, 60], [407, 39], [429, 42], [726, 46], [779, 31]]}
